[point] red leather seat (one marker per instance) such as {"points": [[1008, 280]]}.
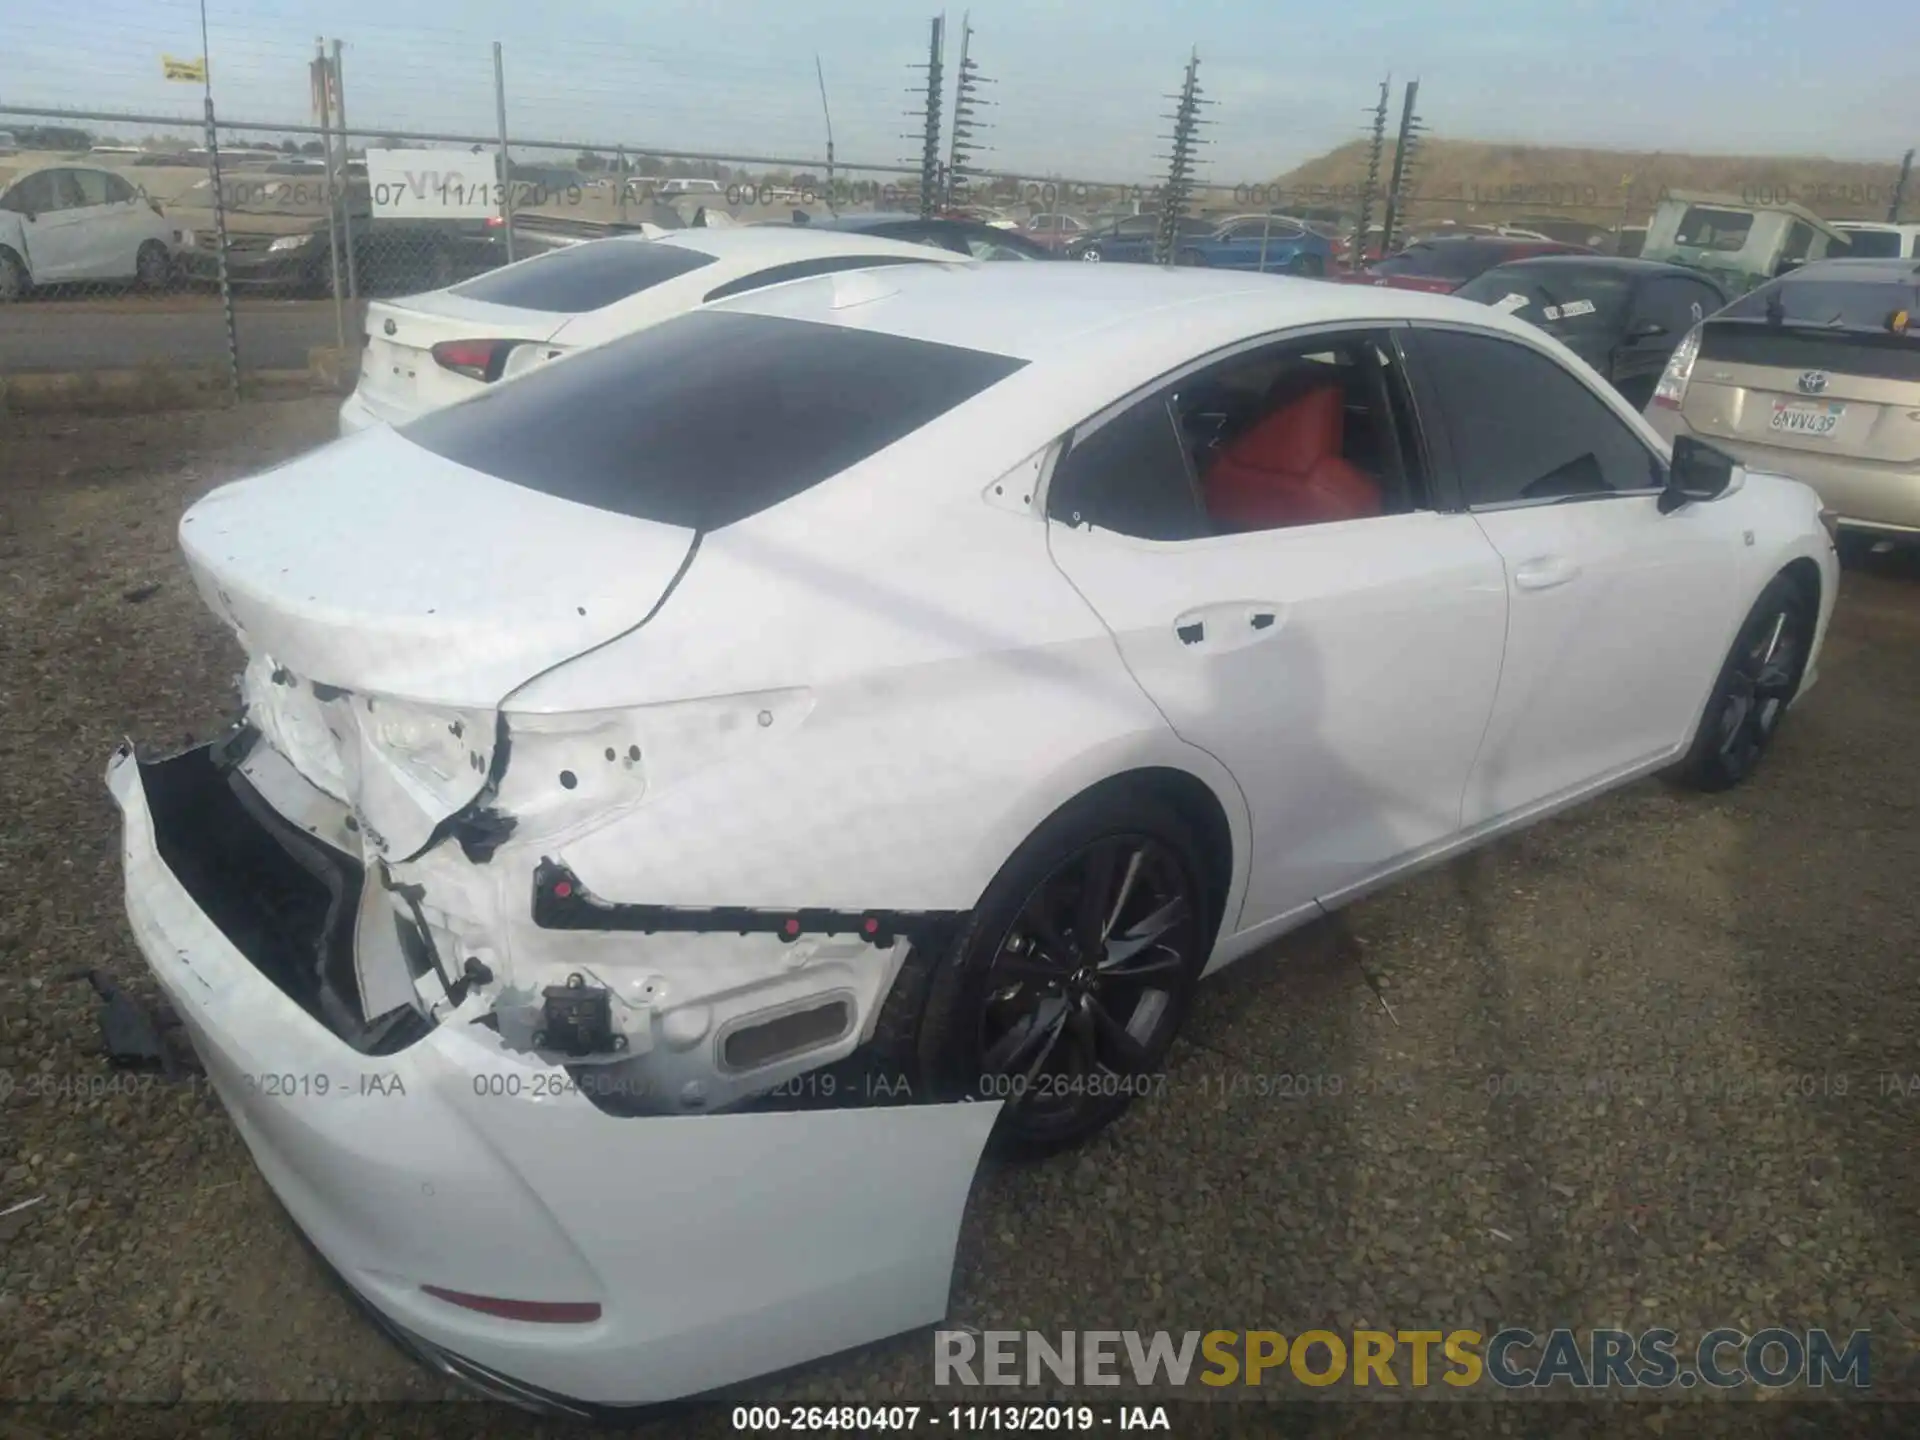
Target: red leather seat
{"points": [[1287, 469]]}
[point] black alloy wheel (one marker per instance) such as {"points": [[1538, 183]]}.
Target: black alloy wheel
{"points": [[1756, 685]]}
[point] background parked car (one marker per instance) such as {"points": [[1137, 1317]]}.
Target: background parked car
{"points": [[1739, 243], [1443, 266], [1263, 243], [1130, 238], [428, 351], [1815, 375], [975, 239], [1878, 240], [1623, 317], [65, 223], [1054, 229]]}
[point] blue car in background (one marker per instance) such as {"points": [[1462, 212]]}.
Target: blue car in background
{"points": [[1269, 243]]}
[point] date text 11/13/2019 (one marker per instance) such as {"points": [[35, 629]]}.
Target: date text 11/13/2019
{"points": [[955, 1419]]}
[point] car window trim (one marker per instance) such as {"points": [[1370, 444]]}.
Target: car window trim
{"points": [[1657, 461]]}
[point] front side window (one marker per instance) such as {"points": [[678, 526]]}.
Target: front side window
{"points": [[1705, 228], [1523, 428], [92, 186]]}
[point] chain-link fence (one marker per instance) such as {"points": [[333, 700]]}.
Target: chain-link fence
{"points": [[252, 247]]}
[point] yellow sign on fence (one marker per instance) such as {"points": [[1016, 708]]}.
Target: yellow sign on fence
{"points": [[193, 70]]}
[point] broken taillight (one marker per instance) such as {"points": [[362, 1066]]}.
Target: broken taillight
{"points": [[538, 1312], [481, 360]]}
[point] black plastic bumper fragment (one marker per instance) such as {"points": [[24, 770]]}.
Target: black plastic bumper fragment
{"points": [[561, 902]]}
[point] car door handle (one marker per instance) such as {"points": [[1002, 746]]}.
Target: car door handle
{"points": [[1545, 573], [1193, 633]]}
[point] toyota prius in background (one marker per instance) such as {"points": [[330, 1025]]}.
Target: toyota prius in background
{"points": [[1815, 375], [430, 350]]}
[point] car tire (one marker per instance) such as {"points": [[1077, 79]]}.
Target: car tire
{"points": [[1191, 258], [14, 282], [1091, 254], [441, 271], [153, 267], [1306, 265], [1013, 1010], [1756, 684]]}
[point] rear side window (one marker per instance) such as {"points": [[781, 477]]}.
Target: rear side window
{"points": [[1827, 304], [1873, 244], [584, 277], [710, 417]]}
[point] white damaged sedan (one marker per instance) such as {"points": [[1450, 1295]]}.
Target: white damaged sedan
{"points": [[692, 799]]}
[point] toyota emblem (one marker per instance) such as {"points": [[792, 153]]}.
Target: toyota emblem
{"points": [[390, 328], [1813, 382]]}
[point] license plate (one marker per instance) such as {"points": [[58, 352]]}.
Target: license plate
{"points": [[1798, 419]]}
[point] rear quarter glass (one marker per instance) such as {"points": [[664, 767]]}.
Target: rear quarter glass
{"points": [[584, 277], [710, 417]]}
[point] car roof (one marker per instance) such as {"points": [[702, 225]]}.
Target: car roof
{"points": [[1889, 270], [854, 224], [1625, 264], [1896, 227], [1051, 313], [777, 244]]}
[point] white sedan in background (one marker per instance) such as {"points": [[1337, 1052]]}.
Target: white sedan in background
{"points": [[430, 350], [927, 674], [62, 224]]}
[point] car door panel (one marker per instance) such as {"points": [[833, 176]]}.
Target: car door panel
{"points": [[1617, 612], [1343, 672]]}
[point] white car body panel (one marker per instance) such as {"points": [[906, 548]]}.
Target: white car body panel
{"points": [[399, 378], [863, 697], [82, 242]]}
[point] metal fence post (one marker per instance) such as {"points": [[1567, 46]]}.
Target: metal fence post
{"points": [[506, 165], [346, 174], [322, 86], [220, 239]]}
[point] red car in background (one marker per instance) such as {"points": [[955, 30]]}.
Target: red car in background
{"points": [[1443, 265]]}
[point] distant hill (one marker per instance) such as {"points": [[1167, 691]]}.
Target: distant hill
{"points": [[1472, 179]]}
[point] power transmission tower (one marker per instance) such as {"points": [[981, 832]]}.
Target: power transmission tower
{"points": [[1376, 152], [960, 148], [929, 117], [1184, 141], [1404, 152]]}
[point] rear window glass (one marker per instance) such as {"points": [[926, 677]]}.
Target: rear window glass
{"points": [[584, 277], [1836, 304], [708, 418], [1872, 244], [1447, 260]]}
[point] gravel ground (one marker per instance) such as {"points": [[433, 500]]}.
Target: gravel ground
{"points": [[1704, 1011]]}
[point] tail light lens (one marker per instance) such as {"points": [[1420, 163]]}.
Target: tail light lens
{"points": [[1672, 389], [539, 1312], [495, 222], [481, 360]]}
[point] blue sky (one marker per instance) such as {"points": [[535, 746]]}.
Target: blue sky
{"points": [[1079, 84]]}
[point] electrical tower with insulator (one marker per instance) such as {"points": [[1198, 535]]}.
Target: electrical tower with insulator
{"points": [[1182, 145], [1370, 189], [929, 117], [961, 146], [1405, 155]]}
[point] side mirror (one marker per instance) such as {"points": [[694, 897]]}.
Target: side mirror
{"points": [[1699, 472]]}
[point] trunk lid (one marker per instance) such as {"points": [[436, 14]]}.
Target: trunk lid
{"points": [[389, 600], [1810, 391], [399, 377]]}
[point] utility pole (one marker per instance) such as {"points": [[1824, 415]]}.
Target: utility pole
{"points": [[1900, 189], [1376, 152], [506, 164], [1179, 157], [1403, 152], [929, 117], [346, 174], [323, 102], [827, 115], [961, 149], [219, 213]]}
